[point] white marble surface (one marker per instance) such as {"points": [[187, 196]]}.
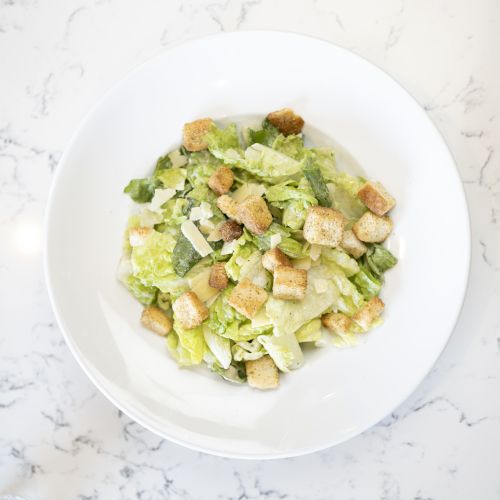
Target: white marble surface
{"points": [[59, 438]]}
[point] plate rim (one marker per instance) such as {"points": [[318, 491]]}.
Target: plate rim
{"points": [[87, 369]]}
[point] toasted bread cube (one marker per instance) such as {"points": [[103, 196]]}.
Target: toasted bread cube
{"points": [[262, 373], [194, 134], [230, 231], [221, 180], [255, 215], [247, 298], [337, 322], [286, 121], [274, 258], [324, 226], [156, 320], [352, 245], [218, 276], [376, 198], [228, 207], [369, 313], [190, 310], [371, 228], [138, 235], [289, 283]]}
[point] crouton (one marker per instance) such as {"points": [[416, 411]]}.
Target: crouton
{"points": [[247, 298], [218, 276], [230, 231], [262, 373], [273, 258], [352, 245], [137, 235], [189, 310], [221, 180], [286, 121], [194, 134], [154, 319], [371, 228], [228, 207], [337, 322], [376, 198], [369, 313], [255, 215], [324, 226], [289, 283]]}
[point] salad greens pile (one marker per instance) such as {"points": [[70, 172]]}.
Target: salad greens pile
{"points": [[174, 243]]}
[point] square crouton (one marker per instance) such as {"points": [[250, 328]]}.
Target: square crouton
{"points": [[218, 276], [230, 231], [324, 226], [274, 258], [194, 134], [286, 121], [352, 245], [337, 323], [228, 207], [247, 298], [221, 180], [138, 235], [255, 215], [371, 228], [262, 373], [154, 319], [190, 310], [376, 198], [369, 313], [289, 283]]}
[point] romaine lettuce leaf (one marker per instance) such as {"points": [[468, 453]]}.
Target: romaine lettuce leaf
{"points": [[244, 249], [266, 135], [200, 167], [223, 319], [247, 351], [224, 144], [173, 178], [219, 346], [144, 294], [368, 284], [342, 259], [379, 259], [291, 145], [349, 299], [285, 350], [142, 190], [187, 347], [344, 193], [310, 332]]}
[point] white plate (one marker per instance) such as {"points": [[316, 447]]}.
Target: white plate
{"points": [[338, 393]]}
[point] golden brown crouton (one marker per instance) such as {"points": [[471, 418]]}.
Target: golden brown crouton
{"points": [[273, 258], [156, 320], [137, 235], [376, 198], [230, 231], [218, 276], [289, 283], [337, 322], [352, 245], [189, 310], [194, 134], [221, 180], [247, 298], [255, 215], [262, 373], [369, 313], [324, 226], [371, 228], [286, 121], [228, 207]]}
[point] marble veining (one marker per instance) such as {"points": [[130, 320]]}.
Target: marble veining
{"points": [[59, 437]]}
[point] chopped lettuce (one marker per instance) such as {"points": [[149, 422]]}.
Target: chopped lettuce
{"points": [[163, 163], [224, 144], [344, 193], [248, 351], [368, 284], [269, 165], [379, 259], [310, 332], [244, 249], [173, 178], [142, 190], [315, 178], [187, 347], [285, 351], [324, 158], [184, 256], [266, 135], [219, 346], [342, 259], [291, 145], [349, 299], [223, 319], [200, 167], [144, 294]]}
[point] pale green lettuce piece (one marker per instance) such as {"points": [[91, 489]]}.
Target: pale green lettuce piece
{"points": [[344, 193], [310, 332], [187, 347], [173, 178], [223, 319], [144, 294], [219, 346], [288, 316], [285, 351], [368, 284], [200, 167], [324, 158], [379, 259], [152, 261], [224, 144], [248, 351], [342, 259], [291, 145], [244, 249], [349, 299], [269, 165]]}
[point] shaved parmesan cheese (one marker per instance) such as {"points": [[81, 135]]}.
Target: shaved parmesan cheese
{"points": [[160, 197], [177, 159], [192, 233], [206, 226], [315, 251], [320, 285], [246, 190], [199, 285], [204, 211], [215, 234], [275, 240], [229, 248], [261, 319]]}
